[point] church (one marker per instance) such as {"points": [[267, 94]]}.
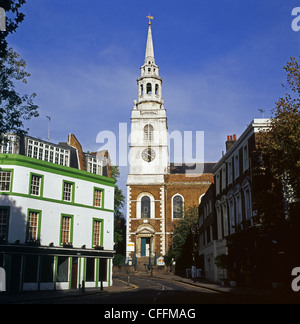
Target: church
{"points": [[158, 191]]}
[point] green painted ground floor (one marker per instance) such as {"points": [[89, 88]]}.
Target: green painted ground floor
{"points": [[47, 268]]}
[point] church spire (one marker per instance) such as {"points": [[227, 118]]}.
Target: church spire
{"points": [[149, 57], [149, 83]]}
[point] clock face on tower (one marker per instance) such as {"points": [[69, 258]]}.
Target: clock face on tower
{"points": [[148, 154]]}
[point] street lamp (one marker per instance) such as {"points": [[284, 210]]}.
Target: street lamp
{"points": [[193, 230]]}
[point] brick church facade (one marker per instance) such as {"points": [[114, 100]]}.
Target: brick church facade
{"points": [[157, 190]]}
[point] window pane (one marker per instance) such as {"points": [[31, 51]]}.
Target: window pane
{"points": [[35, 185], [68, 187], [177, 207], [94, 165], [47, 263], [90, 269], [148, 133], [3, 223], [145, 207], [29, 152], [97, 233], [35, 152], [5, 177], [62, 269], [31, 268], [98, 198], [40, 154], [32, 226], [65, 230], [102, 269]]}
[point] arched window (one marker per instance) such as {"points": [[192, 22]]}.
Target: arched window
{"points": [[148, 133], [178, 206], [156, 89], [149, 88], [145, 207], [142, 90]]}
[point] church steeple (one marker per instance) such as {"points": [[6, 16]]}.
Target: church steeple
{"points": [[149, 57], [149, 131], [150, 83]]}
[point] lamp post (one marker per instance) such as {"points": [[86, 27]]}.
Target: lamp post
{"points": [[150, 259], [193, 230]]}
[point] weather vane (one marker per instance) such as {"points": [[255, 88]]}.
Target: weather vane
{"points": [[150, 18]]}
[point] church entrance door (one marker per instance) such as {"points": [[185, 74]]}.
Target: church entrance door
{"points": [[145, 246]]}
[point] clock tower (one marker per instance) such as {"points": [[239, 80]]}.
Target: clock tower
{"points": [[148, 158]]}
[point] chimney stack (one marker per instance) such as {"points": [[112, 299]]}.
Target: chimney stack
{"points": [[231, 139]]}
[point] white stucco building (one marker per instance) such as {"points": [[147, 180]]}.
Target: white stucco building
{"points": [[56, 216]]}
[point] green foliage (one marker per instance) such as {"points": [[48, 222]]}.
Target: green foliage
{"points": [[118, 259], [14, 108], [119, 220], [282, 143], [13, 19], [182, 233]]}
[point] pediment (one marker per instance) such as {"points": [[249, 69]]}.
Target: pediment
{"points": [[145, 229]]}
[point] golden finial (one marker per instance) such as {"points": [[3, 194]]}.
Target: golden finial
{"points": [[150, 18]]}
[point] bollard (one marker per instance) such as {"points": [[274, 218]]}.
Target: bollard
{"points": [[83, 288], [101, 286]]}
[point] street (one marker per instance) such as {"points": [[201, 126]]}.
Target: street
{"points": [[146, 290]]}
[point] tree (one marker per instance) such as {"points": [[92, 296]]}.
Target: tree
{"points": [[120, 223], [281, 144], [280, 169], [14, 108], [182, 242], [12, 7]]}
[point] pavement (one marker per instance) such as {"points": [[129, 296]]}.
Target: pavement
{"points": [[121, 285]]}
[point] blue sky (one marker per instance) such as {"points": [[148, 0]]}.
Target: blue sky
{"points": [[220, 62]]}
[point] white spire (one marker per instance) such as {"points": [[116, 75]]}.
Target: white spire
{"points": [[149, 57], [149, 83]]}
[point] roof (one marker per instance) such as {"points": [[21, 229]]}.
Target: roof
{"points": [[205, 168]]}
